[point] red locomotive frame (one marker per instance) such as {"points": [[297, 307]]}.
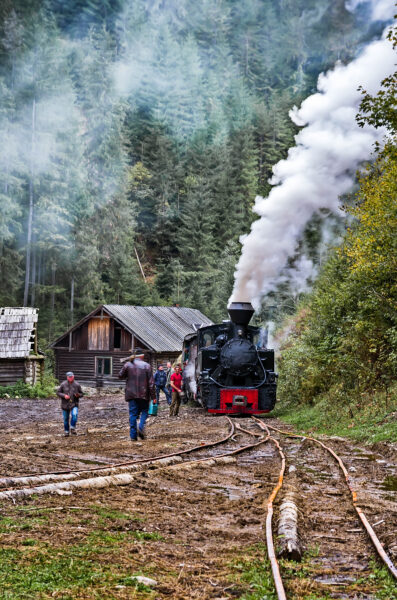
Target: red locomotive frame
{"points": [[238, 401]]}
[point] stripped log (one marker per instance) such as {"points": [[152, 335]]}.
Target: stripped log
{"points": [[38, 479], [288, 539], [289, 545], [92, 482], [62, 487]]}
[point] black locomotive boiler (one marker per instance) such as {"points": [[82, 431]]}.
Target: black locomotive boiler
{"points": [[225, 370]]}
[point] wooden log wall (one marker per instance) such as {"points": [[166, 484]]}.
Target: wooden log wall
{"points": [[30, 370], [11, 371], [82, 363]]}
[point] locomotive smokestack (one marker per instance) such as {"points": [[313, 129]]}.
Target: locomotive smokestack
{"points": [[240, 313]]}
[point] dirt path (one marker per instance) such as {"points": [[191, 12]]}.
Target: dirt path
{"points": [[197, 532]]}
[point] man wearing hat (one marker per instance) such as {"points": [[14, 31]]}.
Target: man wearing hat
{"points": [[139, 389], [70, 391]]}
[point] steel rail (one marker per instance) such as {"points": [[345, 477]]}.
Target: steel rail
{"points": [[238, 426], [374, 538], [10, 481], [11, 494], [269, 516]]}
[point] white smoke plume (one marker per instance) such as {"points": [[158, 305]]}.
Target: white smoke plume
{"points": [[381, 10], [319, 169], [189, 373]]}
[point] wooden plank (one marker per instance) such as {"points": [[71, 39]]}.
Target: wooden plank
{"points": [[98, 334]]}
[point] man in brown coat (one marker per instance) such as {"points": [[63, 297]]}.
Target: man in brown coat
{"points": [[139, 389], [70, 391]]}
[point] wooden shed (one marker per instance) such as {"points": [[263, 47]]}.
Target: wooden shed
{"points": [[95, 347], [19, 356]]}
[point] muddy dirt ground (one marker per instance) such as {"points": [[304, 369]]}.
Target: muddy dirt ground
{"points": [[199, 533]]}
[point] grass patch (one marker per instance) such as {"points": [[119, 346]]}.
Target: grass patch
{"points": [[371, 419], [28, 574], [37, 570], [21, 523], [382, 581], [92, 566], [252, 571]]}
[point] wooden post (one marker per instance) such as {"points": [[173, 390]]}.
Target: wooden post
{"points": [[139, 263]]}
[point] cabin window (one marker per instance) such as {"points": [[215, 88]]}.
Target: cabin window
{"points": [[117, 338], [103, 365], [208, 339]]}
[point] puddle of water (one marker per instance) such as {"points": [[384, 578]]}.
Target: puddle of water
{"points": [[321, 475], [231, 492], [390, 483], [370, 457], [335, 579]]}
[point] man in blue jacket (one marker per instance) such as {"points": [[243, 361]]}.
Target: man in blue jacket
{"points": [[160, 380]]}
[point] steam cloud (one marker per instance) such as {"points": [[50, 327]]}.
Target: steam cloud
{"points": [[380, 9], [319, 169]]}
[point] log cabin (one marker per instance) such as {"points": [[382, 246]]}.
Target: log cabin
{"points": [[20, 359], [95, 347]]}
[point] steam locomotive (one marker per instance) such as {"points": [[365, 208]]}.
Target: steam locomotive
{"points": [[225, 370]]}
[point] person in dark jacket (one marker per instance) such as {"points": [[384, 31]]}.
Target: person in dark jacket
{"points": [[169, 371], [70, 392], [139, 389], [160, 380]]}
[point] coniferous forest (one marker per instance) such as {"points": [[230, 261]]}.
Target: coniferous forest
{"points": [[136, 135]]}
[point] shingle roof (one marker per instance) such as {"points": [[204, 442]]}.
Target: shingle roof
{"points": [[17, 331], [161, 328]]}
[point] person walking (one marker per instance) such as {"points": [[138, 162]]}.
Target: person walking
{"points": [[139, 389], [160, 380], [70, 392], [169, 372], [176, 384]]}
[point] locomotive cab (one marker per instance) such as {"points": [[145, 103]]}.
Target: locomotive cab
{"points": [[232, 374]]}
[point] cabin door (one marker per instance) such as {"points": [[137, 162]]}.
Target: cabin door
{"points": [[98, 334]]}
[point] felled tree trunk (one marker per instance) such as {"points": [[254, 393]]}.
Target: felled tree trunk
{"points": [[289, 545], [103, 481]]}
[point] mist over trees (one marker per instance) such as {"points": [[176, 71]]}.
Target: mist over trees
{"points": [[142, 132]]}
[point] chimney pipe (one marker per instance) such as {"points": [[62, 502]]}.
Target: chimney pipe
{"points": [[240, 313]]}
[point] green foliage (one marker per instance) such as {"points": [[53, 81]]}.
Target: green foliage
{"points": [[45, 389], [341, 348], [368, 417], [381, 110]]}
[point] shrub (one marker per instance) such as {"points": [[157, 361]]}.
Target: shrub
{"points": [[45, 389]]}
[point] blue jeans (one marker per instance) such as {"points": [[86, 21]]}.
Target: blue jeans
{"points": [[137, 407], [72, 414], [166, 392]]}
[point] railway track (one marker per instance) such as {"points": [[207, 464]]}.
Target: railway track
{"points": [[219, 452], [281, 594], [120, 473]]}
